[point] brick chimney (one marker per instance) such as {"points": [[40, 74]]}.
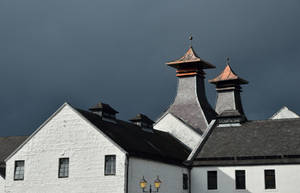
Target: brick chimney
{"points": [[190, 104], [229, 105]]}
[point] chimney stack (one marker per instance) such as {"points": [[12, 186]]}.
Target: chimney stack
{"points": [[229, 105], [190, 104], [105, 111]]}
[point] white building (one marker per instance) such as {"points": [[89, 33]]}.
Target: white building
{"points": [[191, 149], [89, 152]]}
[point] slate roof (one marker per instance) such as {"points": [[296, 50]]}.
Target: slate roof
{"points": [[8, 145], [254, 142], [156, 145]]}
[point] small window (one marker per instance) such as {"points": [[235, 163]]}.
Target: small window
{"points": [[185, 180], [212, 181], [110, 165], [240, 179], [270, 179], [63, 170], [19, 170]]}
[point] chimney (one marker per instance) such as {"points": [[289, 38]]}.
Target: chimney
{"points": [[143, 121], [229, 105], [190, 104], [105, 111]]}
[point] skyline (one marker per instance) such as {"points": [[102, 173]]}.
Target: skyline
{"points": [[115, 52]]}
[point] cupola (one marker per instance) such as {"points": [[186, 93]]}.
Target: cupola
{"points": [[143, 121], [105, 111], [190, 104], [229, 104]]}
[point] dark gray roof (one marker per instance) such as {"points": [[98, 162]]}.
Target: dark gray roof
{"points": [[155, 145], [254, 142], [9, 144]]}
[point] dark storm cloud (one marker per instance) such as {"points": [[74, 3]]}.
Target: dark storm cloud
{"points": [[85, 51]]}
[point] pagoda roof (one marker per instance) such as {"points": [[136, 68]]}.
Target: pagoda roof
{"points": [[190, 57], [228, 75]]}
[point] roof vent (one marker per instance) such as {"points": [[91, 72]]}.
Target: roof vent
{"points": [[229, 104], [105, 111], [143, 121]]}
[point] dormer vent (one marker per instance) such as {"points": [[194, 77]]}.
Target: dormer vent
{"points": [[105, 111], [143, 121]]}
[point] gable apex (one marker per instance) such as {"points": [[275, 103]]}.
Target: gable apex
{"points": [[66, 104], [285, 113]]}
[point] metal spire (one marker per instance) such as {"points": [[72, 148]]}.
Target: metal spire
{"points": [[227, 60], [191, 39]]}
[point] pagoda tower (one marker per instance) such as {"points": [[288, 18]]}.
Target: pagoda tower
{"points": [[229, 104], [190, 104]]}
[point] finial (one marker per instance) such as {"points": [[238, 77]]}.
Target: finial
{"points": [[227, 60], [191, 39]]}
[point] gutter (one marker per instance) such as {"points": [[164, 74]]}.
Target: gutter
{"points": [[126, 173]]}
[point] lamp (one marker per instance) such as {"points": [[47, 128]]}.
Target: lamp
{"points": [[157, 183], [143, 185]]}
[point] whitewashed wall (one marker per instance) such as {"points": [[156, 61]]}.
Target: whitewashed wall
{"points": [[178, 129], [67, 135], [2, 182], [170, 175], [287, 179]]}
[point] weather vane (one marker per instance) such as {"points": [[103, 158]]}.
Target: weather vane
{"points": [[191, 39], [227, 60]]}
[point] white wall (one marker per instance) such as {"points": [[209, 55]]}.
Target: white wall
{"points": [[2, 182], [67, 135], [287, 179], [170, 175], [178, 129]]}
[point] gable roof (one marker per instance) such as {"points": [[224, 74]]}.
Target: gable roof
{"points": [[254, 142], [156, 145], [284, 113], [8, 145]]}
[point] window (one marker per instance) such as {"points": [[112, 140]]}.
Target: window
{"points": [[185, 180], [110, 165], [270, 179], [19, 170], [240, 179], [212, 182], [63, 170]]}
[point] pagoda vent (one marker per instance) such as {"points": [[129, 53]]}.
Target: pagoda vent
{"points": [[229, 104]]}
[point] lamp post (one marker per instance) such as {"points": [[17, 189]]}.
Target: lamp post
{"points": [[143, 185]]}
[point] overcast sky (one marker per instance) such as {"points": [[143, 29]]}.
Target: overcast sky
{"points": [[85, 51]]}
